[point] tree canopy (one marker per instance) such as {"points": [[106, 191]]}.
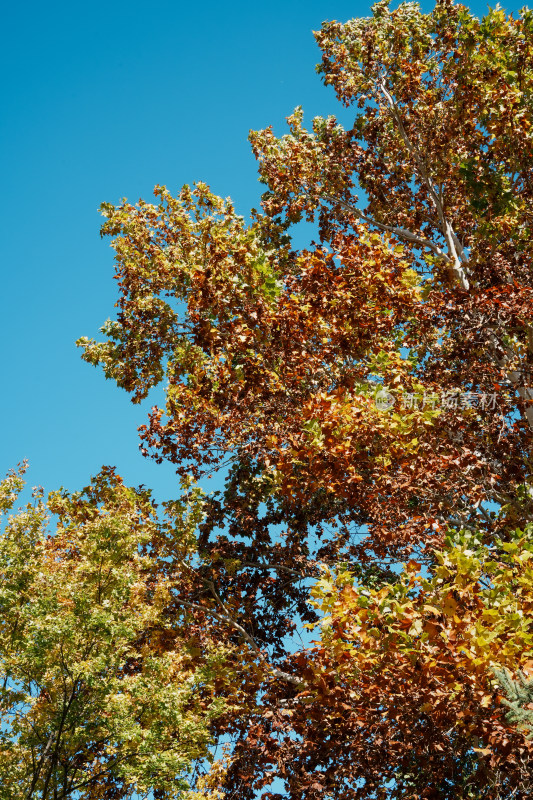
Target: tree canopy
{"points": [[103, 694], [351, 614]]}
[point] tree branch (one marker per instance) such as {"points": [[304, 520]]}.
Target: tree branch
{"points": [[513, 376], [402, 233], [278, 673], [455, 249], [280, 567]]}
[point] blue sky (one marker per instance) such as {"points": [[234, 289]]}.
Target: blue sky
{"points": [[103, 101]]}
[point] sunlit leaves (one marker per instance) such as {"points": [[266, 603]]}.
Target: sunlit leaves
{"points": [[100, 688], [367, 395]]}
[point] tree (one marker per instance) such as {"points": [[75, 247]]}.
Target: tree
{"points": [[519, 698], [407, 672], [370, 394], [102, 694]]}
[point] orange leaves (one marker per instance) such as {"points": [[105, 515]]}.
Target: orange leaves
{"points": [[418, 671], [247, 374], [371, 393]]}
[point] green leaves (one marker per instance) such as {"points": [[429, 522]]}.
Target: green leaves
{"points": [[97, 682], [372, 396], [519, 699]]}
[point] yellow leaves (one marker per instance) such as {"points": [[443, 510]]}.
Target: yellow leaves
{"points": [[208, 786], [161, 596], [410, 278], [417, 627], [449, 606], [324, 586], [445, 625], [92, 623]]}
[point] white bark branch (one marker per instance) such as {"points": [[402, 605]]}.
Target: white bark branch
{"points": [[457, 255], [402, 233]]}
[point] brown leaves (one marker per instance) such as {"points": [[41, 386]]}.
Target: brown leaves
{"points": [[369, 394]]}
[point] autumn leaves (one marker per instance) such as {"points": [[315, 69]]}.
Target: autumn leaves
{"points": [[398, 534]]}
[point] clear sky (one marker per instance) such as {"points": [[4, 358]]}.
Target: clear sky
{"points": [[102, 101]]}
